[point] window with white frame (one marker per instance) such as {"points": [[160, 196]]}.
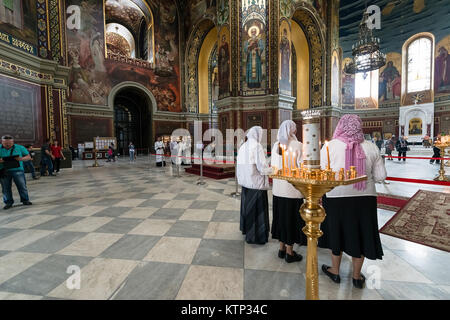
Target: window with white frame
{"points": [[418, 64]]}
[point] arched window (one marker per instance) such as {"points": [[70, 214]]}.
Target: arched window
{"points": [[366, 90], [419, 58], [119, 40]]}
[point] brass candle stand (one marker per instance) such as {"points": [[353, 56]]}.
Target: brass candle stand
{"points": [[442, 147], [313, 184]]}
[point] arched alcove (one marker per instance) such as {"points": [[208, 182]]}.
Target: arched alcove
{"points": [[133, 106]]}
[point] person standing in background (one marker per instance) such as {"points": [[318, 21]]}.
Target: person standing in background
{"points": [[57, 155], [132, 151], [29, 163], [389, 146], [436, 150], [402, 147], [11, 169], [46, 159], [159, 149], [111, 154], [379, 142]]}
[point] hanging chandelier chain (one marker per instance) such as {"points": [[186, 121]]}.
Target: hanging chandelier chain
{"points": [[366, 52]]}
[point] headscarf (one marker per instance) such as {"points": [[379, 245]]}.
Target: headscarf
{"points": [[349, 130], [287, 131], [255, 133]]}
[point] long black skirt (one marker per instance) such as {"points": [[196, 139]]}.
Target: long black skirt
{"points": [[254, 222], [287, 224], [351, 226]]}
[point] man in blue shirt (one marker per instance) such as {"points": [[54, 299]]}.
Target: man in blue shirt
{"points": [[11, 168]]}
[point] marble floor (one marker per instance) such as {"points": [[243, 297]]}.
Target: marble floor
{"points": [[135, 231]]}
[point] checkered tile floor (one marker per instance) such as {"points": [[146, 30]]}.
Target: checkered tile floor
{"points": [[138, 232]]}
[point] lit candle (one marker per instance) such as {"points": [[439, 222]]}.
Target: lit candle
{"points": [[282, 159], [287, 163], [328, 155], [292, 160], [294, 165]]}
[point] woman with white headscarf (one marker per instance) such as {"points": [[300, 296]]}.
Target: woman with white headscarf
{"points": [[351, 224], [287, 223], [252, 173]]}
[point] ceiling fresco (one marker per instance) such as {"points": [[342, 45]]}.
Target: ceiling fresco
{"points": [[400, 19]]}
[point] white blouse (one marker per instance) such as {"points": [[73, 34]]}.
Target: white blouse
{"points": [[375, 169], [282, 188], [252, 169]]}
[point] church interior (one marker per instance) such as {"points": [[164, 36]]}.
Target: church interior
{"points": [[88, 73]]}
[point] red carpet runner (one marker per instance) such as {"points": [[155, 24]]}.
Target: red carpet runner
{"points": [[391, 202], [425, 219]]}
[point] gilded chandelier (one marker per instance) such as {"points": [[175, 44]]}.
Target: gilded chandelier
{"points": [[366, 52]]}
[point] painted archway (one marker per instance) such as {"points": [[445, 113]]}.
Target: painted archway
{"points": [[193, 47], [309, 23]]}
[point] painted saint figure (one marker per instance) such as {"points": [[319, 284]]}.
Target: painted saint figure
{"points": [[224, 67], [253, 49], [390, 83], [285, 50], [442, 72]]}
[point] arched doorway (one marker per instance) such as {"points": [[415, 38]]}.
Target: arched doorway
{"points": [[132, 119]]}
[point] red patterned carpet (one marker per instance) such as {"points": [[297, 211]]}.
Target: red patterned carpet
{"points": [[425, 219], [391, 202]]}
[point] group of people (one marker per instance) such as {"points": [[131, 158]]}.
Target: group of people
{"points": [[391, 144], [178, 150], [14, 158], [351, 223]]}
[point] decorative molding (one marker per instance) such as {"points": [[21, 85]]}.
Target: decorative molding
{"points": [[316, 39], [64, 117], [132, 61], [192, 52], [51, 114], [24, 66], [54, 29], [43, 24]]}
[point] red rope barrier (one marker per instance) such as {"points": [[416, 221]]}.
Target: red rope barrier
{"points": [[439, 183]]}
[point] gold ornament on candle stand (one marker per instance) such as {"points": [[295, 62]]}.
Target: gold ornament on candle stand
{"points": [[442, 145], [313, 183]]}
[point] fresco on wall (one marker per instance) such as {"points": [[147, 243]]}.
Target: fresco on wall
{"points": [[285, 59], [224, 63], [254, 58], [18, 18], [442, 66], [390, 85], [319, 5], [335, 79], [196, 9], [92, 76], [348, 85], [223, 12], [88, 83]]}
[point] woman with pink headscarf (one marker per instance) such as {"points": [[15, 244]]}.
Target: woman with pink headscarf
{"points": [[351, 224]]}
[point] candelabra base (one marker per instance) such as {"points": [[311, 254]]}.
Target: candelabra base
{"points": [[314, 214]]}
